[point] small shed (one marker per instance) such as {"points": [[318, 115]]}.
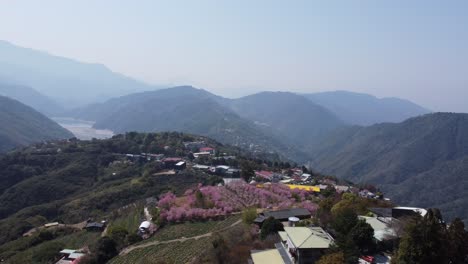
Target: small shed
{"points": [[94, 226], [180, 165]]}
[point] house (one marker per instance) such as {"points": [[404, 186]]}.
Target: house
{"points": [[150, 156], [170, 163], [306, 177], [268, 175], [231, 180], [269, 256], [305, 244], [181, 165], [70, 256], [382, 226], [200, 167], [212, 151], [194, 145], [222, 169], [94, 226], [201, 154], [367, 194], [341, 188], [399, 212], [233, 173], [283, 215]]}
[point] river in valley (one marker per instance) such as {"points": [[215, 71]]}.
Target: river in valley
{"points": [[83, 129]]}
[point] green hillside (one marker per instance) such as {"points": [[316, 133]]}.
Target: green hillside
{"points": [[22, 125], [420, 162], [70, 181]]}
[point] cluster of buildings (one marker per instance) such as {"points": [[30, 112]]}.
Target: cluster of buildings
{"points": [[306, 244], [144, 157], [297, 244]]}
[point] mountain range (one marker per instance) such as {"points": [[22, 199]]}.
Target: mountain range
{"points": [[69, 82], [422, 161], [364, 109], [280, 121], [21, 125], [418, 158]]}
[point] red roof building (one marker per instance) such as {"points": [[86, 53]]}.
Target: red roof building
{"points": [[207, 149], [264, 174]]}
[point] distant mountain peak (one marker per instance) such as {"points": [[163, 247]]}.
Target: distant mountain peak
{"points": [[365, 109]]}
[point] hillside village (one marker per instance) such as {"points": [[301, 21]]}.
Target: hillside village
{"points": [[239, 209]]}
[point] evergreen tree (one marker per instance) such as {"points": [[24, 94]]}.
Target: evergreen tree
{"points": [[363, 236], [457, 242], [424, 241], [270, 226]]}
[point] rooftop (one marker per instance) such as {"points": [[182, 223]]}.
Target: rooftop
{"points": [[309, 237], [206, 149], [270, 256], [382, 230], [285, 214]]}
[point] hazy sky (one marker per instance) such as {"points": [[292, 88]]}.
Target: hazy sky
{"points": [[411, 49]]}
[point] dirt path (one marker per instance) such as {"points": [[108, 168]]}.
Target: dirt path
{"points": [[147, 214], [129, 249], [78, 226]]}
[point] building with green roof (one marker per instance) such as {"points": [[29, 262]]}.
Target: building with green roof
{"points": [[305, 244]]}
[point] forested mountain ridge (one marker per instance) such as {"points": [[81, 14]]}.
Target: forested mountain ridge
{"points": [[291, 116], [364, 109], [21, 125], [422, 161]]}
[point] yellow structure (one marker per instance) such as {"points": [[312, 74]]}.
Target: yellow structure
{"points": [[304, 187], [299, 187]]}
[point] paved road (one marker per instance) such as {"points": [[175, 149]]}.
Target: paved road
{"points": [[129, 249]]}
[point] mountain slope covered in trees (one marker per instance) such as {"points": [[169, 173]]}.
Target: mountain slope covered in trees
{"points": [[22, 125], [422, 161], [365, 109], [291, 116]]}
